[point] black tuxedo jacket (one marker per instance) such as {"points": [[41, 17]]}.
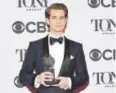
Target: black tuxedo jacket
{"points": [[34, 61]]}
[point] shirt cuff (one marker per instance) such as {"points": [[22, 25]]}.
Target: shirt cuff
{"points": [[69, 84], [36, 84]]}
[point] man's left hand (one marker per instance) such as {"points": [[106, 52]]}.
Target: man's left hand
{"points": [[63, 82]]}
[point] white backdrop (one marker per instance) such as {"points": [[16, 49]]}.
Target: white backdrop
{"points": [[82, 23]]}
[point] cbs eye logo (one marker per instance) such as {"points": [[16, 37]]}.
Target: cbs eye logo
{"points": [[93, 3], [17, 82], [18, 27], [95, 55]]}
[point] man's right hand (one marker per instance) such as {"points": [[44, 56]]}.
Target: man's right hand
{"points": [[45, 76]]}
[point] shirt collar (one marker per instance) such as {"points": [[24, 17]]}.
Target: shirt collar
{"points": [[51, 35]]}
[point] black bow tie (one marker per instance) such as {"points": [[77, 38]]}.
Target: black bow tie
{"points": [[53, 40]]}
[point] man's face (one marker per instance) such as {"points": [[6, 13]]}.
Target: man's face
{"points": [[57, 20]]}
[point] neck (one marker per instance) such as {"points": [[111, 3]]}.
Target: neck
{"points": [[57, 33]]}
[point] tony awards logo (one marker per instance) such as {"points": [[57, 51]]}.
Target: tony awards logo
{"points": [[49, 66], [32, 5]]}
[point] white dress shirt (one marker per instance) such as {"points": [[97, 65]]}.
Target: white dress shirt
{"points": [[57, 52]]}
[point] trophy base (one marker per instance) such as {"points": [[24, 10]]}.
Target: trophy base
{"points": [[54, 82]]}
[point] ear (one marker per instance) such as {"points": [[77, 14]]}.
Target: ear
{"points": [[47, 20], [66, 20]]}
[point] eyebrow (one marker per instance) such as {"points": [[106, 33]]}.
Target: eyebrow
{"points": [[53, 16], [56, 16]]}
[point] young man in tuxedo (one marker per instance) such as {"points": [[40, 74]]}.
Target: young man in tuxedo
{"points": [[70, 66]]}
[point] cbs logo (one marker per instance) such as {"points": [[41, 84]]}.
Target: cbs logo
{"points": [[107, 54], [104, 3], [31, 27]]}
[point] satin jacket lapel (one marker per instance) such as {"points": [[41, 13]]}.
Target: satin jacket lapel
{"points": [[44, 53], [45, 47], [66, 60]]}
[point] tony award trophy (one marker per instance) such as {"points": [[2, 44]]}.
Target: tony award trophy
{"points": [[49, 66]]}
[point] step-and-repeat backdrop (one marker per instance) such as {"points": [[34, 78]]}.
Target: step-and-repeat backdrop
{"points": [[91, 22]]}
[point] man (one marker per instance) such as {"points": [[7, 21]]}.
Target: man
{"points": [[70, 66]]}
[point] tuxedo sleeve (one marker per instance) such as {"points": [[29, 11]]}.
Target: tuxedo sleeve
{"points": [[26, 75], [81, 74]]}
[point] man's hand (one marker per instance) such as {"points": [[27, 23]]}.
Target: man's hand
{"points": [[45, 76], [63, 82]]}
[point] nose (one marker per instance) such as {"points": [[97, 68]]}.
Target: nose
{"points": [[58, 21]]}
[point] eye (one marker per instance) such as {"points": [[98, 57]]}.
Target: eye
{"points": [[95, 55], [53, 17], [61, 17], [18, 27], [93, 3]]}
